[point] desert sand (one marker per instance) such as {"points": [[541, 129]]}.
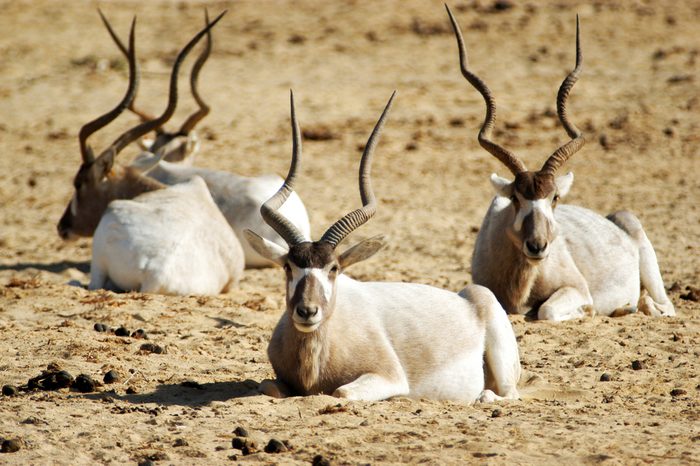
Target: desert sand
{"points": [[638, 102]]}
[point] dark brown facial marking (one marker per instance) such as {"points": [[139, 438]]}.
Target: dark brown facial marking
{"points": [[311, 255], [534, 185]]}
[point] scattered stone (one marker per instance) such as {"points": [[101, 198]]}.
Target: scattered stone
{"points": [[111, 376], [496, 413], [101, 328], [9, 390], [693, 294], [152, 348], [275, 446], [605, 377], [246, 445], [678, 392], [241, 431], [122, 332], [10, 446], [139, 334], [84, 384], [180, 442], [319, 460], [638, 365]]}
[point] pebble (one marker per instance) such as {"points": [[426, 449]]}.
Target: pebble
{"points": [[605, 377], [9, 390], [637, 365], [111, 376], [152, 348], [10, 446], [678, 392], [180, 442], [319, 460], [241, 431], [496, 413], [275, 446], [101, 327], [122, 332], [84, 384], [139, 334]]}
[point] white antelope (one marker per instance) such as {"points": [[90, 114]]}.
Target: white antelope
{"points": [[239, 197], [372, 341], [151, 238], [553, 259]]}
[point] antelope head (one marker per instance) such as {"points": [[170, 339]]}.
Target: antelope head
{"points": [[533, 194], [99, 180], [179, 145], [312, 267]]}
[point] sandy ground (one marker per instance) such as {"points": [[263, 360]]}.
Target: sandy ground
{"points": [[638, 102]]}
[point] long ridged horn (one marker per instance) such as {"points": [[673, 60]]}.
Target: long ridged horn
{"points": [[562, 154], [269, 210], [350, 222], [141, 114], [136, 132], [203, 111], [103, 120], [514, 164]]}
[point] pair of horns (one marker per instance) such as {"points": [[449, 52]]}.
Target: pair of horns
{"points": [[351, 221], [510, 160], [152, 123]]}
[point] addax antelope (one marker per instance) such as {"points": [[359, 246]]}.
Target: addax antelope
{"points": [[151, 238], [536, 254], [239, 197], [372, 341]]}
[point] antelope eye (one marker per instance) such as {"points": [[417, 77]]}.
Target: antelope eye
{"points": [[555, 199]]}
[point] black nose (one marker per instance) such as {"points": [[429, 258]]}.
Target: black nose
{"points": [[535, 248], [306, 312]]}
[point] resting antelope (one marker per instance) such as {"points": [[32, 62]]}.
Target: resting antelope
{"points": [[238, 197], [183, 144], [151, 238], [538, 255], [372, 341]]}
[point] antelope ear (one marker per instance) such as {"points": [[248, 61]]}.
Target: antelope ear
{"points": [[501, 185], [361, 251], [266, 248], [564, 183]]}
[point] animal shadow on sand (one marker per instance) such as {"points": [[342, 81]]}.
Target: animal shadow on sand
{"points": [[53, 267], [188, 393]]}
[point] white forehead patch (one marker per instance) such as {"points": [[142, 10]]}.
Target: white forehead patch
{"points": [[527, 207], [320, 276]]}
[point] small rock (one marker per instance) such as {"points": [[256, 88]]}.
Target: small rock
{"points": [[139, 334], [10, 446], [496, 413], [122, 332], [678, 392], [605, 377], [111, 376], [638, 365], [84, 384], [693, 294], [275, 446], [180, 442], [246, 445], [152, 348], [319, 460], [9, 390], [241, 431], [101, 327]]}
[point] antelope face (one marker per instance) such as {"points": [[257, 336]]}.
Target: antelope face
{"points": [[312, 269], [87, 205], [533, 197]]}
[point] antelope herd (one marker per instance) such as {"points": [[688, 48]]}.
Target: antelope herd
{"points": [[162, 225]]}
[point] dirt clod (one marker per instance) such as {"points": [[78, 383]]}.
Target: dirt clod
{"points": [[9, 390], [678, 392], [275, 446], [241, 431], [10, 446], [605, 377], [84, 384], [101, 327], [638, 365], [111, 377], [152, 348], [122, 332], [139, 334]]}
